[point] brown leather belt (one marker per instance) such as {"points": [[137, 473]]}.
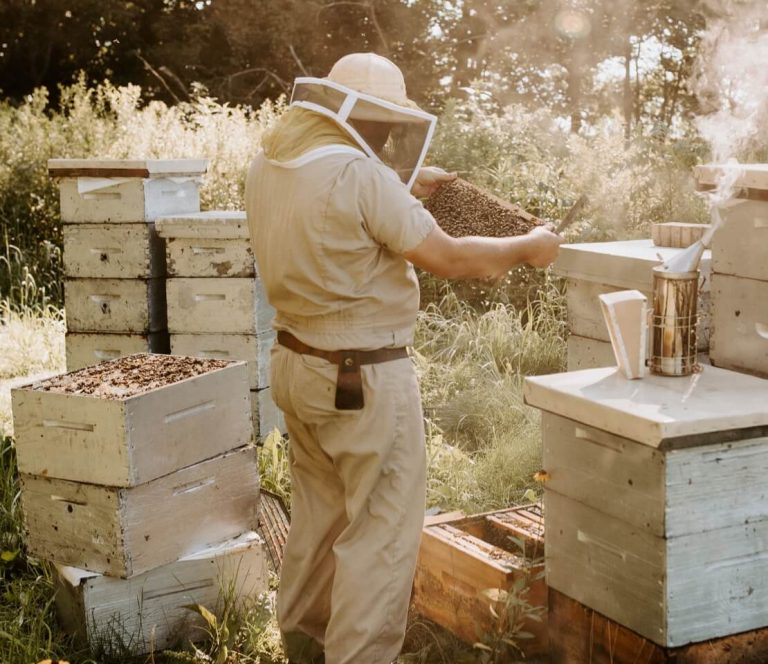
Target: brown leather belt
{"points": [[349, 381]]}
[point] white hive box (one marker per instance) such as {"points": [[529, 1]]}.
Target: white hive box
{"points": [[114, 190], [740, 266], [113, 251], [596, 268], [85, 350], [127, 531], [740, 245], [146, 612], [655, 499], [252, 348], [740, 324], [131, 420], [115, 305], [235, 305], [208, 244], [586, 353], [266, 413]]}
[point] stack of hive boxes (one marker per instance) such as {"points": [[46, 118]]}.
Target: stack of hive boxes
{"points": [[140, 481], [655, 492], [217, 307], [114, 262], [595, 268], [740, 272]]}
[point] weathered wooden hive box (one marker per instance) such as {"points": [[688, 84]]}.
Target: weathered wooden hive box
{"points": [[594, 268], [740, 271], [147, 612], [217, 306], [114, 260], [656, 505], [136, 462], [122, 190], [462, 558], [132, 420]]}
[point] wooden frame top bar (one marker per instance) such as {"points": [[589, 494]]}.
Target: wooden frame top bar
{"points": [[126, 168]]}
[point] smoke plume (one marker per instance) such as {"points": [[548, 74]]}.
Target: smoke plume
{"points": [[731, 79]]}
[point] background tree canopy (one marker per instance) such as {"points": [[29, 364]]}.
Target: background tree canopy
{"points": [[582, 59]]}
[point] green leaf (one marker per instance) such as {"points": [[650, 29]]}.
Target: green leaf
{"points": [[207, 615], [8, 556], [530, 496]]}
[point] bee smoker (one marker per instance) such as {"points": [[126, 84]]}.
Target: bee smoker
{"points": [[673, 322]]}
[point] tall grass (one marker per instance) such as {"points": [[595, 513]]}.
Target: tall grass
{"points": [[484, 443]]}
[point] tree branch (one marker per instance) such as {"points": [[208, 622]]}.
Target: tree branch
{"points": [[158, 76], [297, 61]]}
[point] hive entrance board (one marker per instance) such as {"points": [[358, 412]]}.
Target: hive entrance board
{"points": [[460, 208], [461, 558]]}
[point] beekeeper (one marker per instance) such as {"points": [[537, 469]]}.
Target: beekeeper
{"points": [[336, 229]]}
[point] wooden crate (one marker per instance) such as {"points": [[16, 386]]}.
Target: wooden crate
{"points": [[254, 349], [461, 558], [740, 327], [119, 441], [266, 415], [113, 251], [85, 350], [208, 244], [147, 612], [676, 234], [580, 635], [109, 190], [220, 306], [128, 531], [115, 305], [655, 506]]}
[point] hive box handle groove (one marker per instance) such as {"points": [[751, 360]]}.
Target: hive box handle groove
{"points": [[189, 412], [168, 592], [193, 486], [72, 426], [586, 538]]}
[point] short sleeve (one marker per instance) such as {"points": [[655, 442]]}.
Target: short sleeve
{"points": [[392, 216]]}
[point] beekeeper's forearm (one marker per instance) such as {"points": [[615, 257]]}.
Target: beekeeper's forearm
{"points": [[470, 257]]}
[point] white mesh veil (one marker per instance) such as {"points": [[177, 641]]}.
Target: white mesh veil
{"points": [[411, 129]]}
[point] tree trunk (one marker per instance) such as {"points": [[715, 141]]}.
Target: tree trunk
{"points": [[574, 92], [627, 90]]}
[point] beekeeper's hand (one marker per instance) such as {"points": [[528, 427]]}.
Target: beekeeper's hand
{"points": [[429, 180], [544, 245]]}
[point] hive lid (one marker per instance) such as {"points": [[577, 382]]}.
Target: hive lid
{"points": [[713, 406], [212, 224], [126, 168], [625, 264], [753, 178]]}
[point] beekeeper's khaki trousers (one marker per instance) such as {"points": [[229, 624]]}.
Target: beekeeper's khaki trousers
{"points": [[356, 513]]}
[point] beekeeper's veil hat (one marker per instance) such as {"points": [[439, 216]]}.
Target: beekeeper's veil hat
{"points": [[366, 86]]}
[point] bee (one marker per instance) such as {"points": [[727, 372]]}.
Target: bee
{"points": [[541, 476]]}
